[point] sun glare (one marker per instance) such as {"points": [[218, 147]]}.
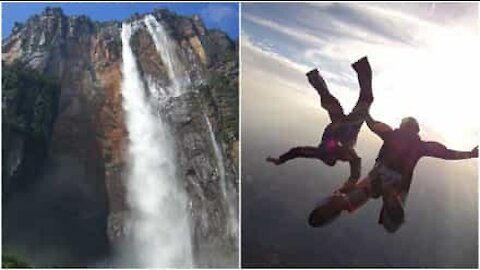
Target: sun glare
{"points": [[439, 84]]}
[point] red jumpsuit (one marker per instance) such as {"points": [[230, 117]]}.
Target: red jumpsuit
{"points": [[392, 175]]}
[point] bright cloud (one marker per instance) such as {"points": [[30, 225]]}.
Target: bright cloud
{"points": [[217, 13], [425, 56]]}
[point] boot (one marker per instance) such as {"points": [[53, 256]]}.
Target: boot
{"points": [[362, 66], [316, 80], [328, 210], [364, 74]]}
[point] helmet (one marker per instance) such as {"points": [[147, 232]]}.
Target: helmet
{"points": [[410, 123]]}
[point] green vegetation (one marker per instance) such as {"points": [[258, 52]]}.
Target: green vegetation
{"points": [[29, 108], [220, 92], [29, 102], [17, 27], [13, 261]]}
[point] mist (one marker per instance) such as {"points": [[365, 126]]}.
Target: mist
{"points": [[159, 222]]}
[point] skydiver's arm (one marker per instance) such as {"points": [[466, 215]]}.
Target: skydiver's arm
{"points": [[355, 164], [377, 127], [438, 150], [355, 169]]}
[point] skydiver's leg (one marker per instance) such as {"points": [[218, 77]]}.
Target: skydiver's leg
{"points": [[296, 152], [356, 118], [331, 207], [392, 215], [327, 100], [364, 74], [360, 195]]}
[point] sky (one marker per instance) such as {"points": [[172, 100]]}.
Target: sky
{"points": [[222, 16], [424, 56], [424, 61], [441, 228]]}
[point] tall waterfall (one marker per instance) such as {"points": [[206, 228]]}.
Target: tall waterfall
{"points": [[162, 234], [228, 192], [167, 50], [159, 216], [179, 80]]}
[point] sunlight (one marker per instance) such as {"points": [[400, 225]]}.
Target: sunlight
{"points": [[438, 84]]}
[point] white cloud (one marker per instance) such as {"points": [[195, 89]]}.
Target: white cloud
{"points": [[284, 29], [265, 50], [275, 67], [431, 76], [217, 13]]}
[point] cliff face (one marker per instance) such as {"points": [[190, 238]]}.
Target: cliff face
{"points": [[86, 166]]}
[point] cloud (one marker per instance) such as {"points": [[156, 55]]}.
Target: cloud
{"points": [[419, 53], [291, 32], [266, 66], [264, 50], [332, 40], [216, 12]]}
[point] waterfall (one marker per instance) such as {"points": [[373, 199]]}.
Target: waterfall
{"points": [[159, 221], [167, 50], [227, 191]]}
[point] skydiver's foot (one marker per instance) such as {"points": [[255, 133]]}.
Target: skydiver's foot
{"points": [[273, 160], [394, 208], [316, 80], [362, 65], [328, 210], [312, 73]]}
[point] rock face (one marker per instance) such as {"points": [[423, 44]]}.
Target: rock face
{"points": [[85, 164]]}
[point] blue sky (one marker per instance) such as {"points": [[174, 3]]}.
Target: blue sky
{"points": [[419, 52], [222, 16]]}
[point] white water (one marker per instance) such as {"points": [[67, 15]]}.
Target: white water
{"points": [[227, 190], [160, 220], [167, 50]]}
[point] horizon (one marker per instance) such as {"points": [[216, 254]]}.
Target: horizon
{"points": [[221, 16]]}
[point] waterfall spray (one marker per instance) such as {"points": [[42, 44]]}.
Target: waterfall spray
{"points": [[179, 79], [167, 50], [160, 221], [159, 216], [227, 190]]}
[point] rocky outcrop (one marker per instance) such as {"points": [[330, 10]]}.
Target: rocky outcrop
{"points": [[198, 167], [89, 137]]}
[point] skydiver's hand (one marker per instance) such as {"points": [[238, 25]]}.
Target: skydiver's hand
{"points": [[273, 160], [349, 185], [474, 152]]}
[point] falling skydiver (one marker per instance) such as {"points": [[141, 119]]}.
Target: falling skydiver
{"points": [[340, 136], [391, 175]]}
